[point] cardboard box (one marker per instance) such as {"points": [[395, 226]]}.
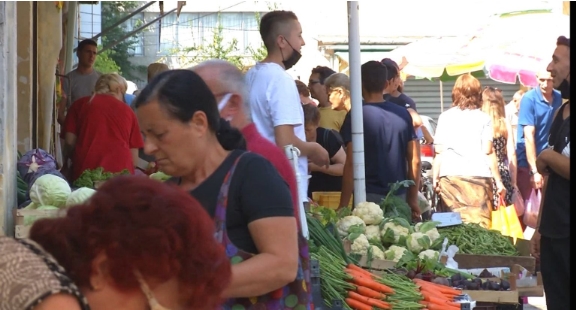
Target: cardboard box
{"points": [[532, 291], [375, 264], [470, 261], [500, 297]]}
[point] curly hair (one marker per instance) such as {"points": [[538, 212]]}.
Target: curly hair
{"points": [[467, 93], [144, 225]]}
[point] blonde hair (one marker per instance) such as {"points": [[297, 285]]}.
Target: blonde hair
{"points": [[493, 105], [110, 83], [156, 68], [338, 80]]}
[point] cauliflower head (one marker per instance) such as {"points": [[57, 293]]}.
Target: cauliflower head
{"points": [[433, 234], [376, 252], [394, 253], [373, 233], [417, 242], [429, 254], [369, 212], [350, 224], [360, 245], [428, 228], [393, 232]]}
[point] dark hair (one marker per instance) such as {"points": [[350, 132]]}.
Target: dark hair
{"points": [[374, 76], [323, 73], [145, 225], [311, 114], [302, 88], [84, 43], [271, 26], [391, 68], [182, 93], [562, 40]]}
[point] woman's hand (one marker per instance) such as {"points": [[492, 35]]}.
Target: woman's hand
{"points": [[500, 189]]}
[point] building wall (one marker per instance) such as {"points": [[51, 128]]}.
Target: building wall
{"points": [[8, 115]]}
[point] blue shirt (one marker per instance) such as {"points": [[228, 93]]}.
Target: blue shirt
{"points": [[535, 111], [401, 100], [387, 131], [128, 98]]}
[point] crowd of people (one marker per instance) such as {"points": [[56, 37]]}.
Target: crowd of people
{"points": [[225, 232]]}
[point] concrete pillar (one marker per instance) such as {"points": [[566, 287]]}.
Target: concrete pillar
{"points": [[24, 72], [49, 45], [8, 115]]}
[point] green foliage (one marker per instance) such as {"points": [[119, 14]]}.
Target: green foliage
{"points": [[120, 54], [260, 52], [105, 64]]}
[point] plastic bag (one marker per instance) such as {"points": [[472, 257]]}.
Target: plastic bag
{"points": [[34, 159], [518, 202], [532, 209], [449, 253], [505, 220]]}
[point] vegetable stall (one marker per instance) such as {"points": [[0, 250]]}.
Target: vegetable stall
{"points": [[373, 257]]}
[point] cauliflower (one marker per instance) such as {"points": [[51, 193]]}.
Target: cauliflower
{"points": [[394, 253], [428, 228], [373, 233], [395, 231], [417, 242], [360, 245], [429, 254], [376, 252], [350, 224], [369, 212]]}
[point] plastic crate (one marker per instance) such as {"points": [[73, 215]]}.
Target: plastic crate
{"points": [[329, 199]]}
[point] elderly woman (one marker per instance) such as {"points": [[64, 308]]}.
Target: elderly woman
{"points": [[101, 130], [248, 199], [136, 244], [465, 160]]}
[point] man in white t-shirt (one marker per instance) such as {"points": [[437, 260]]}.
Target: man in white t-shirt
{"points": [[274, 100], [511, 111]]}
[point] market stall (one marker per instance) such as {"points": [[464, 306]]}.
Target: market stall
{"points": [[373, 257]]}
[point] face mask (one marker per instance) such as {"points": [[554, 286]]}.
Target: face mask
{"points": [[564, 88], [223, 104], [293, 59]]}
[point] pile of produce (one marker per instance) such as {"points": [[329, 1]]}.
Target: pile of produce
{"points": [[89, 177], [478, 283], [475, 239], [32, 165]]}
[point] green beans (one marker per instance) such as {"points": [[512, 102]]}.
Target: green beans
{"points": [[474, 239]]}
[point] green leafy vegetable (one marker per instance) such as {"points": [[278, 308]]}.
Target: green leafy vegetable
{"points": [[88, 177], [394, 206]]}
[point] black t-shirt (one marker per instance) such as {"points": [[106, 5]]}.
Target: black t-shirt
{"points": [[256, 191], [321, 182], [555, 222], [387, 131], [402, 100]]}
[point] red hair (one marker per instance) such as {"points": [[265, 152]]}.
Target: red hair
{"points": [[467, 92], [140, 224]]}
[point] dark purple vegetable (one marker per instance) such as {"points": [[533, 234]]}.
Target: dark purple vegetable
{"points": [[411, 274], [472, 286], [456, 277], [418, 276], [505, 285], [30, 178], [441, 281]]}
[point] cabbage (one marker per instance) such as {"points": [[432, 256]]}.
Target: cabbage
{"points": [[79, 196], [160, 176], [50, 190]]}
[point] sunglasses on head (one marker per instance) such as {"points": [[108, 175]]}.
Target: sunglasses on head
{"points": [[493, 88]]}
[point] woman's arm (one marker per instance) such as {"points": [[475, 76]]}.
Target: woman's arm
{"points": [[276, 264], [511, 152], [69, 145], [416, 120], [61, 301], [489, 149], [135, 157], [335, 169]]}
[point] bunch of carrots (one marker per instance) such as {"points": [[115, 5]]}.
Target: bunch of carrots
{"points": [[437, 296]]}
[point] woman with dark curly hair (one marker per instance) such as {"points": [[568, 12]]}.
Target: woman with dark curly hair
{"points": [[465, 161], [135, 244]]}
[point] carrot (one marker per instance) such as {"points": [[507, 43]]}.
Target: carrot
{"points": [[433, 306], [442, 288], [361, 270], [353, 272], [372, 284], [369, 301], [357, 305], [368, 292], [436, 300], [427, 292]]}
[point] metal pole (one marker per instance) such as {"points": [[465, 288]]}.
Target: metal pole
{"points": [[293, 153], [135, 31], [441, 96], [71, 20], [356, 102], [121, 20]]}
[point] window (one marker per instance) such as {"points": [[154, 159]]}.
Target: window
{"points": [[194, 29], [132, 24]]}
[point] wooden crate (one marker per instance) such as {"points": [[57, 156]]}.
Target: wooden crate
{"points": [[470, 261], [21, 230], [329, 199]]}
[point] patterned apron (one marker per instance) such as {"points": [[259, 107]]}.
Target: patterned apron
{"points": [[295, 295]]}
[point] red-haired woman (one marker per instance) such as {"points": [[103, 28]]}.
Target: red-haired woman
{"points": [[465, 161], [136, 244]]}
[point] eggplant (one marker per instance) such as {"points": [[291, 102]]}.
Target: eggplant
{"points": [[486, 285], [456, 277], [472, 286], [505, 285], [441, 281], [456, 283], [477, 281], [494, 286]]}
